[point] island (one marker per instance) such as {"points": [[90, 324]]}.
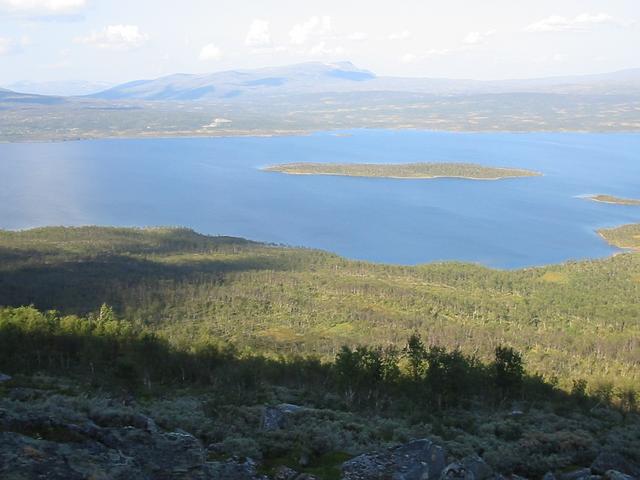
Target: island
{"points": [[624, 236], [614, 200], [469, 171]]}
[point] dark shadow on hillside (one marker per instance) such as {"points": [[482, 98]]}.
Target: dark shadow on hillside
{"points": [[81, 286]]}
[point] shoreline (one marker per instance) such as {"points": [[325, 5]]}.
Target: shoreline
{"points": [[400, 178], [305, 133], [620, 250]]}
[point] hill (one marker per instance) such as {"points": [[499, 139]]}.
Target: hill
{"points": [[573, 321], [225, 358]]}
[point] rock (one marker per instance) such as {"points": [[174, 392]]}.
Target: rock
{"points": [[477, 466], [576, 474], [416, 460], [37, 446], [549, 476], [456, 471], [123, 419], [615, 475], [237, 469], [275, 417], [285, 473], [4, 377], [606, 461]]}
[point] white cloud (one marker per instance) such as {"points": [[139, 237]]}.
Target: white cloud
{"points": [[210, 52], [581, 23], [43, 7], [408, 58], [116, 37], [477, 38], [258, 34], [6, 45], [321, 49], [358, 36], [10, 45], [314, 27], [403, 35]]}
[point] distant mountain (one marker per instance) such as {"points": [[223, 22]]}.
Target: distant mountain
{"points": [[60, 88], [317, 77], [9, 96], [301, 78]]}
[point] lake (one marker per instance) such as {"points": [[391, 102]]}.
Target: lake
{"points": [[215, 186]]}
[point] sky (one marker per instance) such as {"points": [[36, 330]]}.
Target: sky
{"points": [[122, 40]]}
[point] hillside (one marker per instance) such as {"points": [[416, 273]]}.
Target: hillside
{"points": [[225, 358], [574, 321]]}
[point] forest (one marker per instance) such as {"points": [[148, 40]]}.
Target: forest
{"points": [[571, 322]]}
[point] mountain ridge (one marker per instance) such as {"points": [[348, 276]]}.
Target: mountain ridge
{"points": [[319, 77]]}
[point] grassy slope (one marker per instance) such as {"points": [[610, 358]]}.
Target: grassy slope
{"points": [[577, 320], [402, 170]]}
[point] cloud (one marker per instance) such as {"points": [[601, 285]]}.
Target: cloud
{"points": [[477, 38], [357, 36], [10, 46], [408, 58], [258, 34], [210, 52], [6, 45], [403, 35], [116, 37], [321, 49], [581, 23], [314, 27], [43, 7]]}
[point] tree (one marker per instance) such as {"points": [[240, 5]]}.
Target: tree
{"points": [[509, 371]]}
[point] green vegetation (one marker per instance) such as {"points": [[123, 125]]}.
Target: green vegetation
{"points": [[625, 236], [615, 200], [536, 369], [403, 170], [579, 320], [367, 397]]}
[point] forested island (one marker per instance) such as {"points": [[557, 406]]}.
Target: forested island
{"points": [[420, 170], [227, 358], [614, 200]]}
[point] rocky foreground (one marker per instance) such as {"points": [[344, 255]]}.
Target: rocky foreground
{"points": [[57, 442]]}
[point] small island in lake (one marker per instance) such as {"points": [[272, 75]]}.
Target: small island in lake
{"points": [[614, 200], [625, 236], [469, 171]]}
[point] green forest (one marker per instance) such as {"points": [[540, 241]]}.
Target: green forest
{"points": [[571, 322]]}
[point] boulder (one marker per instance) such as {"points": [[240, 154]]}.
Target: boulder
{"points": [[4, 377], [606, 461], [275, 417], [581, 473], [614, 475], [478, 467], [237, 469], [456, 471], [416, 460], [549, 476]]}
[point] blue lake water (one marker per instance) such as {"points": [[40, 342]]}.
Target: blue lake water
{"points": [[215, 186]]}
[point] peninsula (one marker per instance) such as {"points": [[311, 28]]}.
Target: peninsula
{"points": [[624, 236], [469, 171], [614, 200]]}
